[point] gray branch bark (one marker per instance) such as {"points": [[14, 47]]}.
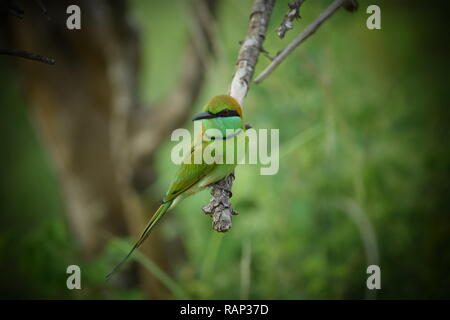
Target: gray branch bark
{"points": [[292, 14], [251, 48], [220, 205], [219, 208]]}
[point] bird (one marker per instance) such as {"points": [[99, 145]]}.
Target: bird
{"points": [[220, 113]]}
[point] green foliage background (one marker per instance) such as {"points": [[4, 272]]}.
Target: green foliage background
{"points": [[364, 167]]}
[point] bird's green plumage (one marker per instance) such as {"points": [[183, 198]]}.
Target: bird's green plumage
{"points": [[193, 177], [188, 174]]}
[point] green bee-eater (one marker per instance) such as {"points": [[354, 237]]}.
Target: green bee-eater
{"points": [[221, 113]]}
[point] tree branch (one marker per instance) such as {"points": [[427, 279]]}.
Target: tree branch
{"points": [[349, 4], [10, 7], [27, 55], [250, 49], [291, 15], [219, 206]]}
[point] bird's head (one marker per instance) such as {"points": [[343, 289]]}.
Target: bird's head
{"points": [[221, 112], [222, 106]]}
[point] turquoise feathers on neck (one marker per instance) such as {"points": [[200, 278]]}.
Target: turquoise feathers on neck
{"points": [[222, 125]]}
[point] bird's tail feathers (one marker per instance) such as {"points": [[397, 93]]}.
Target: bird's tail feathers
{"points": [[153, 221]]}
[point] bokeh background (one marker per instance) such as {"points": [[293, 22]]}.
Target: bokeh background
{"points": [[364, 156]]}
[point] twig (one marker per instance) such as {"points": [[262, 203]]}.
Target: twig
{"points": [[18, 12], [220, 207], [266, 54], [291, 15], [27, 55], [302, 37]]}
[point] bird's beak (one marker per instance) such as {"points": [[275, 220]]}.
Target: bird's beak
{"points": [[203, 115]]}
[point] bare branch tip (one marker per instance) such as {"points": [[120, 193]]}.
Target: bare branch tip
{"points": [[28, 55], [292, 14]]}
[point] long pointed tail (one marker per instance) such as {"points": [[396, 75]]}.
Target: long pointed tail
{"points": [[154, 219]]}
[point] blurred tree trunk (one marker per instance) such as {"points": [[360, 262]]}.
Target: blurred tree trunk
{"points": [[87, 110]]}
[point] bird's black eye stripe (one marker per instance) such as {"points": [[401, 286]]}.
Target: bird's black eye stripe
{"points": [[227, 113]]}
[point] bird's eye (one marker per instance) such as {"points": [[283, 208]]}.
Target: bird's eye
{"points": [[227, 113]]}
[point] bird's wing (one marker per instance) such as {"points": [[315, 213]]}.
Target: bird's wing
{"points": [[189, 173]]}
